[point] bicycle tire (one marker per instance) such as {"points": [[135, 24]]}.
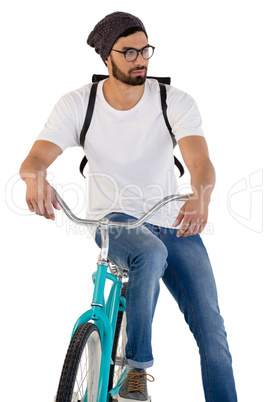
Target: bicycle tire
{"points": [[118, 351], [84, 353]]}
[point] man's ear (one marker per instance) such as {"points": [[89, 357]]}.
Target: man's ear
{"points": [[107, 61]]}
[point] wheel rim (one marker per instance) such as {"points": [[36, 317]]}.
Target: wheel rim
{"points": [[87, 378]]}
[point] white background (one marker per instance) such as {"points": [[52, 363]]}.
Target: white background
{"points": [[217, 52]]}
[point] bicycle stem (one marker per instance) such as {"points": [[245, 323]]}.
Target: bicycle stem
{"points": [[104, 228]]}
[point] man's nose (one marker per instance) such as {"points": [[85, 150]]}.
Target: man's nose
{"points": [[140, 60]]}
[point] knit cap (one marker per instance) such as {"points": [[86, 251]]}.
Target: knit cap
{"points": [[108, 30]]}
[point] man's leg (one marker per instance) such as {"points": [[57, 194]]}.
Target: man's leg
{"points": [[190, 280], [146, 258]]}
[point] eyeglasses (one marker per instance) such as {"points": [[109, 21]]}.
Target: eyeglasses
{"points": [[132, 54]]}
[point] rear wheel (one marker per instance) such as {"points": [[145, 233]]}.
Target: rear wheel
{"points": [[118, 352], [81, 369]]}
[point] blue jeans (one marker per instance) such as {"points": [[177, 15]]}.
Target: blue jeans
{"points": [[151, 253]]}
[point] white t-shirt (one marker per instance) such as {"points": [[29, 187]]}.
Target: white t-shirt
{"points": [[130, 153]]}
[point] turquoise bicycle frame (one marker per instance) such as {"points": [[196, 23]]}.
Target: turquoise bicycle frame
{"points": [[104, 315]]}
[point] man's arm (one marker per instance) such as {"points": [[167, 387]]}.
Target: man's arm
{"points": [[39, 195], [194, 213]]}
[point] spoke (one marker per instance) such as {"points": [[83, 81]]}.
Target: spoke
{"points": [[82, 375], [119, 358], [85, 369]]}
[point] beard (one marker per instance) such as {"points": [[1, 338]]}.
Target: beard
{"points": [[126, 78]]}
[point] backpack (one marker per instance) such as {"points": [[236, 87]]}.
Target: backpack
{"points": [[163, 81]]}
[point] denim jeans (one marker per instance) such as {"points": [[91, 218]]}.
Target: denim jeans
{"points": [[152, 253]]}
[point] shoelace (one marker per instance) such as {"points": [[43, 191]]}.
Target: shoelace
{"points": [[137, 381]]}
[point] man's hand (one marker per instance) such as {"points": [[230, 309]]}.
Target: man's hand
{"points": [[193, 215], [40, 197]]}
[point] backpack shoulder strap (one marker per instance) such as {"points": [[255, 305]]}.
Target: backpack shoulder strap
{"points": [[163, 95], [89, 113]]}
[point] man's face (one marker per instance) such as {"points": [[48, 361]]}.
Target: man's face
{"points": [[131, 73]]}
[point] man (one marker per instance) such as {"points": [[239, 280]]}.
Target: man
{"points": [[130, 156]]}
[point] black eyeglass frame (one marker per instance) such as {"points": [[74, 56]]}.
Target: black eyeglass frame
{"points": [[138, 51]]}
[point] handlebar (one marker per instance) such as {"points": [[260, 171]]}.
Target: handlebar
{"points": [[106, 222]]}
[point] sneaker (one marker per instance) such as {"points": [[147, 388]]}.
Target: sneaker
{"points": [[134, 386]]}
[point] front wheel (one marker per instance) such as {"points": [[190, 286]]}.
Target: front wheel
{"points": [[80, 373]]}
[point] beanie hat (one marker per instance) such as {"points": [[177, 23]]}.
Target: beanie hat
{"points": [[108, 30]]}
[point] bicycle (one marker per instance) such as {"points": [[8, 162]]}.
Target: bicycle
{"points": [[94, 366]]}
